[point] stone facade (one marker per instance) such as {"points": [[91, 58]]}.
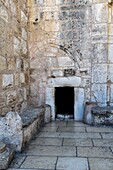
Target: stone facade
{"points": [[46, 44], [14, 61], [71, 39]]}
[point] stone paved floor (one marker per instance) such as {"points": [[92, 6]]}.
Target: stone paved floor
{"points": [[68, 146]]}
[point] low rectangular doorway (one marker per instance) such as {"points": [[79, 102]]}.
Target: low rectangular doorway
{"points": [[64, 102]]}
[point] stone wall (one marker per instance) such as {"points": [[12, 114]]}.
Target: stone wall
{"points": [[71, 38], [14, 61]]}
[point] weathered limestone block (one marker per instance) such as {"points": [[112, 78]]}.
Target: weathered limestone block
{"points": [[79, 104], [100, 53], [22, 78], [7, 80], [64, 81], [11, 130], [88, 118], [99, 29], [52, 26], [57, 73], [13, 8], [19, 64], [2, 63], [11, 63], [102, 115], [23, 47], [65, 61], [51, 62], [99, 93], [24, 18], [2, 100], [111, 94], [3, 14], [24, 34], [47, 117], [99, 73], [16, 46], [110, 73], [6, 156], [110, 52], [100, 13], [32, 119], [11, 97]]}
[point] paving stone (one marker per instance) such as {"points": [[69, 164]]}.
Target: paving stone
{"points": [[57, 123], [70, 135], [79, 135], [103, 142], [39, 162], [28, 169], [51, 151], [19, 159], [49, 134], [73, 123], [94, 152], [49, 129], [77, 142], [99, 129], [72, 164], [100, 164], [107, 135], [71, 129], [47, 141]]}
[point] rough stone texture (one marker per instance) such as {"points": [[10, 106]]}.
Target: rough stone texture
{"points": [[60, 153], [13, 55], [71, 39], [33, 120], [88, 118], [11, 128], [6, 156], [102, 115], [47, 117], [16, 130]]}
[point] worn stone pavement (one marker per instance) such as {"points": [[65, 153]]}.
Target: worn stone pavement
{"points": [[68, 145]]}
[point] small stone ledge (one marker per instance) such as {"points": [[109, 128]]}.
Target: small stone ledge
{"points": [[16, 130], [30, 115], [102, 115], [32, 121]]}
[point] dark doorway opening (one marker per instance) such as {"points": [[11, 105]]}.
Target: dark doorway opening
{"points": [[64, 102]]}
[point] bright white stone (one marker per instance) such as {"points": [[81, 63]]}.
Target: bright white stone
{"points": [[100, 13], [3, 13], [50, 101], [65, 61], [79, 104], [64, 81], [99, 73], [110, 52], [22, 78], [7, 80], [99, 93]]}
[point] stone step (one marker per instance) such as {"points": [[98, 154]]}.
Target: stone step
{"points": [[6, 156]]}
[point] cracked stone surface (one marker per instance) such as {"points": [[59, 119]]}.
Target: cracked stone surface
{"points": [[64, 146]]}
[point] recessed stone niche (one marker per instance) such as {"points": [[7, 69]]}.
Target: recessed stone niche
{"points": [[79, 94]]}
